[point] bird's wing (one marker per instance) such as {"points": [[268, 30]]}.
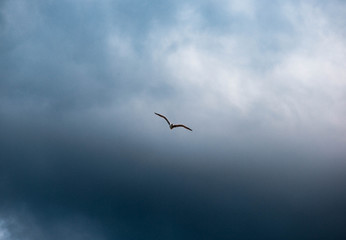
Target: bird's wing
{"points": [[181, 125], [164, 118]]}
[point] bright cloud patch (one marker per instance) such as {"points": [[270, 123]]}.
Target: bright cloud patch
{"points": [[4, 233]]}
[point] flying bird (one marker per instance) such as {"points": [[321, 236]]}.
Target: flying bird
{"points": [[171, 126]]}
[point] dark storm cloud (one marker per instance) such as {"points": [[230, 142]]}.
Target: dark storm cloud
{"points": [[56, 183], [84, 157]]}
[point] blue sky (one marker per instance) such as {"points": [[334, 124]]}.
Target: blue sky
{"points": [[261, 83]]}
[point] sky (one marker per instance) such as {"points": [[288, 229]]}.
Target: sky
{"points": [[261, 83]]}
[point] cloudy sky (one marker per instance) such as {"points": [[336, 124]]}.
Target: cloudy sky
{"points": [[261, 83]]}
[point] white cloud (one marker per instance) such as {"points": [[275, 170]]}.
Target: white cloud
{"points": [[244, 7], [313, 74], [301, 91], [200, 64]]}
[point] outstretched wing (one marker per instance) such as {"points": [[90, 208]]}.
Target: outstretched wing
{"points": [[181, 125], [163, 117]]}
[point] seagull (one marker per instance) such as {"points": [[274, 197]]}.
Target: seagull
{"points": [[171, 126]]}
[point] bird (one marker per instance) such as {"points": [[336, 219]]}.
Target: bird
{"points": [[171, 126]]}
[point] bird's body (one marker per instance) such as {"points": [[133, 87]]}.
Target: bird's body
{"points": [[171, 125]]}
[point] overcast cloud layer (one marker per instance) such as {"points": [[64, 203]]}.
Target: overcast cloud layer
{"points": [[261, 83]]}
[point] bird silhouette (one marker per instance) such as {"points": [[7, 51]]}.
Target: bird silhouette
{"points": [[171, 126]]}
